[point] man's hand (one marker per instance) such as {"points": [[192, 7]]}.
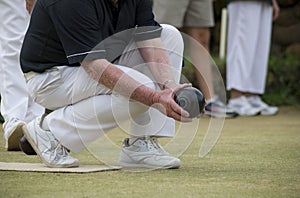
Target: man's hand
{"points": [[165, 103], [29, 5]]}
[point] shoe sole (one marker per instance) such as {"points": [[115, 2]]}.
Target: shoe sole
{"points": [[255, 113], [268, 114], [173, 164], [250, 115], [14, 138], [35, 148], [218, 115], [145, 166]]}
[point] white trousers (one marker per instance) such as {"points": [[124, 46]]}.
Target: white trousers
{"points": [[85, 110], [249, 35], [15, 103]]}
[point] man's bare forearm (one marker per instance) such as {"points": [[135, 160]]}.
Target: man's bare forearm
{"points": [[155, 55], [113, 78]]}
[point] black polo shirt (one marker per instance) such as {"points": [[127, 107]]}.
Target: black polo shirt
{"points": [[64, 32]]}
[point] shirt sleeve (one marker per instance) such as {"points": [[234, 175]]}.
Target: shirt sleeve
{"points": [[77, 26], [147, 27]]}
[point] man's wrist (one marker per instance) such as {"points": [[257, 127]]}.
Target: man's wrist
{"points": [[165, 84]]}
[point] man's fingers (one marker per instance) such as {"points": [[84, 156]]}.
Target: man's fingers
{"points": [[181, 86], [176, 108], [179, 117]]}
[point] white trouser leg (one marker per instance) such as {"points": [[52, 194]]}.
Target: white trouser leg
{"points": [[156, 123], [260, 62], [15, 102], [77, 125], [248, 45], [92, 109]]}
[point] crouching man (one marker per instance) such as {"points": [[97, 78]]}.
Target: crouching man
{"points": [[96, 63]]}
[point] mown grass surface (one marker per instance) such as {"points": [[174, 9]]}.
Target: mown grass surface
{"points": [[254, 157]]}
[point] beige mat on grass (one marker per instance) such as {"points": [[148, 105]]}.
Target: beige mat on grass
{"points": [[38, 167]]}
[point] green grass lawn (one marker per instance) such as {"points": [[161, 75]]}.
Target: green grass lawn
{"points": [[254, 157]]}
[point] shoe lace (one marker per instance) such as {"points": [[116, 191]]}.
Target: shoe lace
{"points": [[58, 150], [157, 145], [149, 143], [61, 150], [152, 144]]}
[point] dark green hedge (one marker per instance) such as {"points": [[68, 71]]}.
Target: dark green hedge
{"points": [[283, 84]]}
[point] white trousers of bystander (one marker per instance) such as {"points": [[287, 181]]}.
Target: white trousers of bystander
{"points": [[15, 101], [248, 45]]}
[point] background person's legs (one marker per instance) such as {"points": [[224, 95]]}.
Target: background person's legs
{"points": [[16, 105], [202, 60], [170, 12], [261, 57], [186, 14], [241, 45], [197, 17], [249, 32], [243, 34]]}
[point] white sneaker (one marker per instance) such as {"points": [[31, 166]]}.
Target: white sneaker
{"points": [[216, 108], [242, 106], [13, 133], [257, 102], [146, 153], [49, 149]]}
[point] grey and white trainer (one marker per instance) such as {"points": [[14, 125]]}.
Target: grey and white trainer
{"points": [[242, 106], [257, 102], [146, 152], [49, 149]]}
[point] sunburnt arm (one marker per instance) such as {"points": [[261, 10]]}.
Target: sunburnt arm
{"points": [[109, 75], [155, 55]]}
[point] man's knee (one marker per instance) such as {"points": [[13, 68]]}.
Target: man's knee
{"points": [[172, 36], [146, 81], [139, 75], [174, 45]]}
